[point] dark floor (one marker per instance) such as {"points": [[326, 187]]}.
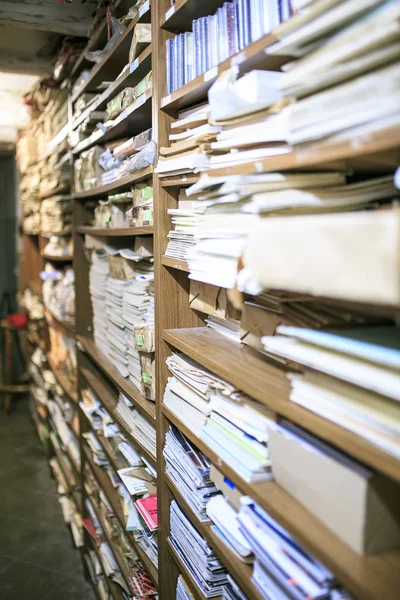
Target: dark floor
{"points": [[37, 558]]}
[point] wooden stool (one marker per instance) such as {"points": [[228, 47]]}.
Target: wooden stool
{"points": [[7, 387]]}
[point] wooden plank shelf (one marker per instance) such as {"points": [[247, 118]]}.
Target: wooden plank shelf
{"points": [[111, 494], [344, 154], [133, 120], [51, 258], [367, 577], [240, 570], [63, 380], [123, 232], [251, 57], [115, 186], [105, 395], [129, 78], [175, 263], [59, 190], [182, 181], [115, 58], [146, 407], [180, 16], [235, 363]]}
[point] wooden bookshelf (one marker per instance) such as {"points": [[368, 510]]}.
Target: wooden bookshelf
{"points": [[175, 263], [62, 189], [62, 379], [61, 259], [67, 325]]}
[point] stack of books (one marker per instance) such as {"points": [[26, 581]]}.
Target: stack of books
{"points": [[197, 556], [215, 38], [189, 469], [182, 590], [140, 427], [98, 274], [59, 292], [184, 220]]}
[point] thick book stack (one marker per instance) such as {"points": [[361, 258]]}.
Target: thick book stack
{"points": [[215, 38]]}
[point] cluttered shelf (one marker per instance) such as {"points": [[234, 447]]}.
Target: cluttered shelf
{"points": [[368, 577], [117, 53], [242, 570], [88, 346], [175, 263], [134, 119], [116, 186], [195, 592], [128, 78], [181, 14], [247, 369], [63, 380], [60, 189], [116, 232], [109, 491], [251, 57], [104, 394]]}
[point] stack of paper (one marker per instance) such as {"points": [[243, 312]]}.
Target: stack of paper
{"points": [[357, 382], [141, 584], [195, 553], [237, 430], [232, 591], [226, 526], [140, 427], [189, 470], [98, 274], [56, 214], [190, 143], [188, 392], [184, 219], [143, 522], [59, 292], [282, 568], [99, 456], [182, 590]]}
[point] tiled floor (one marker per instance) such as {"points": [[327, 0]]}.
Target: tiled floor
{"points": [[37, 557]]}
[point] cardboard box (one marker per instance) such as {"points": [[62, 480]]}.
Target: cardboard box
{"points": [[256, 322], [360, 507]]}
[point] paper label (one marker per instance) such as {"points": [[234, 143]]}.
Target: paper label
{"points": [[184, 178], [148, 215], [140, 340], [146, 378], [134, 65], [238, 59], [211, 74], [169, 13], [166, 100], [143, 9]]}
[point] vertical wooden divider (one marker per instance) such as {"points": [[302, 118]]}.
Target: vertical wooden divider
{"points": [[171, 295]]}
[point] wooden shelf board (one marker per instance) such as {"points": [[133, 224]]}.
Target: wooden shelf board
{"points": [[138, 69], [145, 406], [325, 153], [251, 57], [116, 55], [65, 324], [114, 187], [60, 189], [235, 363], [175, 263], [105, 395], [63, 380], [367, 577], [179, 18], [241, 366], [240, 570], [123, 232], [108, 489], [179, 181], [65, 258]]}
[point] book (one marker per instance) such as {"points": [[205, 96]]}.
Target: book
{"points": [[147, 507]]}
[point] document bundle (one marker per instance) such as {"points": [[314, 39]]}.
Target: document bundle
{"points": [[59, 292], [230, 423], [140, 427], [189, 469], [56, 215], [194, 551]]}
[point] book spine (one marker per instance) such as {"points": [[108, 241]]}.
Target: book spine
{"points": [[246, 23], [175, 64], [209, 43], [181, 59], [203, 44], [240, 19], [188, 57], [271, 15], [169, 51], [195, 45]]}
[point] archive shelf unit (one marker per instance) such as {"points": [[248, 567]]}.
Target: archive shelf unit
{"points": [[178, 328], [95, 370]]}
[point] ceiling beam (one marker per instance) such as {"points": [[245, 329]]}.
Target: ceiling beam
{"points": [[70, 18]]}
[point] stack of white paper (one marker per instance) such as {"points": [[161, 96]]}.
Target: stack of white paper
{"points": [[98, 274], [189, 469], [195, 553], [139, 426]]}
